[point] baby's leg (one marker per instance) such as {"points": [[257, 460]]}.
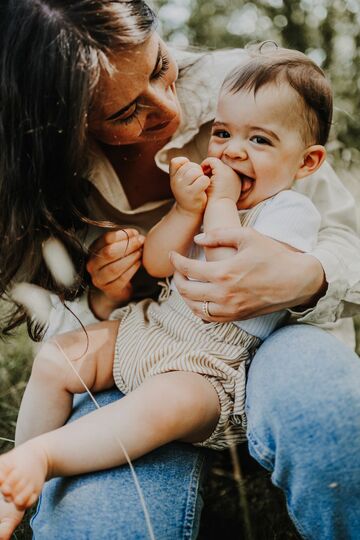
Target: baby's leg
{"points": [[48, 398], [166, 407]]}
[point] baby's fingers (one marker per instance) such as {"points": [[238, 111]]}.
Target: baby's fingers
{"points": [[176, 163], [200, 184], [187, 174]]}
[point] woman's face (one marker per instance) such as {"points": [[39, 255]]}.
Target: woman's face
{"points": [[138, 102]]}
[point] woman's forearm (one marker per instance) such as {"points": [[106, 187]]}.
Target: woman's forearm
{"points": [[175, 232], [220, 213]]}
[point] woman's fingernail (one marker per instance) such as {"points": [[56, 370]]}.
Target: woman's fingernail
{"points": [[200, 237]]}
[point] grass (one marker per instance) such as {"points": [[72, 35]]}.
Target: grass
{"points": [[222, 516]]}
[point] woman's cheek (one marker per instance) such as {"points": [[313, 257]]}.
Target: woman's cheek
{"points": [[118, 134]]}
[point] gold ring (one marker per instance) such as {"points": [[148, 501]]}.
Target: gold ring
{"points": [[205, 309]]}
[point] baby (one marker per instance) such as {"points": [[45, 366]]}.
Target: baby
{"points": [[184, 378]]}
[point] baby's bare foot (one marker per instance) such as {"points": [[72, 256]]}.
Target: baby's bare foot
{"points": [[23, 472], [10, 518]]}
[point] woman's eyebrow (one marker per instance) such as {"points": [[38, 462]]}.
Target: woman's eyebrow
{"points": [[129, 105]]}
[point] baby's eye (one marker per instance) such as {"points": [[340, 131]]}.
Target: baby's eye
{"points": [[258, 139], [221, 133]]}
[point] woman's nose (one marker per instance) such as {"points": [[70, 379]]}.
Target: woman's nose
{"points": [[162, 105]]}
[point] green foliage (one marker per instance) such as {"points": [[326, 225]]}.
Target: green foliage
{"points": [[15, 363], [326, 30]]}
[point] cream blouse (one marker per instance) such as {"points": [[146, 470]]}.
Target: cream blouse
{"points": [[338, 247]]}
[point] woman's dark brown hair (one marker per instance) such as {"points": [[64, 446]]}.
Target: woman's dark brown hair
{"points": [[51, 55]]}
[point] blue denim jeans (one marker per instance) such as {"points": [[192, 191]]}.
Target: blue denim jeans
{"points": [[303, 406]]}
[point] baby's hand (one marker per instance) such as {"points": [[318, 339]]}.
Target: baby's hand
{"points": [[189, 184], [225, 183]]}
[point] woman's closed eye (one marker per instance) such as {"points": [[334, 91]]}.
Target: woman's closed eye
{"points": [[129, 116], [162, 67], [133, 112]]}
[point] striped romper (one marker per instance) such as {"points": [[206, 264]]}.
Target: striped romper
{"points": [[159, 336]]}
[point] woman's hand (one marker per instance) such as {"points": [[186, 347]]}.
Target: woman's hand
{"points": [[115, 258], [264, 276]]}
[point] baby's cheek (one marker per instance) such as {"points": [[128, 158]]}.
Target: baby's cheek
{"points": [[214, 150]]}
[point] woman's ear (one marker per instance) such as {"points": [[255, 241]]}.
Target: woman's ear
{"points": [[314, 157]]}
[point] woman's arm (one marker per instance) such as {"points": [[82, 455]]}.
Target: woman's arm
{"points": [[176, 230]]}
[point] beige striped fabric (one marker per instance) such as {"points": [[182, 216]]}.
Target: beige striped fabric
{"points": [[155, 338], [158, 337]]}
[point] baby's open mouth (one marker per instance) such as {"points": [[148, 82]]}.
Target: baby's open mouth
{"points": [[247, 184]]}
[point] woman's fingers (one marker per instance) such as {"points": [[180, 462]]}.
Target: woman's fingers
{"points": [[231, 237], [193, 269], [115, 270], [115, 289], [110, 237], [112, 252], [196, 293]]}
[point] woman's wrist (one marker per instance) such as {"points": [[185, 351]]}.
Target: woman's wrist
{"points": [[100, 305], [316, 287]]}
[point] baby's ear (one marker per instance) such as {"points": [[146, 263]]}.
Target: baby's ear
{"points": [[314, 157]]}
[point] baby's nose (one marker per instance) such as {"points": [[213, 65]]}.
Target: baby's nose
{"points": [[236, 152]]}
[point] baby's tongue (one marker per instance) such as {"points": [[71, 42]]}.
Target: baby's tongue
{"points": [[246, 183]]}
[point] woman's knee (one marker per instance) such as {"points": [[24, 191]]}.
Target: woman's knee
{"points": [[301, 360], [302, 396]]}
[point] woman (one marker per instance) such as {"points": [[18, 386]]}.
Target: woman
{"points": [[88, 92]]}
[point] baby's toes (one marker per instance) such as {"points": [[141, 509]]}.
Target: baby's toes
{"points": [[5, 470], [24, 502], [25, 497], [7, 492], [12, 485]]}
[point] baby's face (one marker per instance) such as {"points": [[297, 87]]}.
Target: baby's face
{"points": [[259, 137]]}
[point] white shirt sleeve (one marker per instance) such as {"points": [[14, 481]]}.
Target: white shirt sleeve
{"points": [[64, 320], [337, 249], [291, 218]]}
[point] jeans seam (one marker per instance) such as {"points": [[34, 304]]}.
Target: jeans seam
{"points": [[263, 455], [299, 527], [193, 491], [34, 516]]}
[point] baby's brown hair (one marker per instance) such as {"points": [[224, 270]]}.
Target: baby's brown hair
{"points": [[273, 64]]}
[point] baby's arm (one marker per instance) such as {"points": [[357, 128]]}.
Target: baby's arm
{"points": [[176, 230], [221, 209]]}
